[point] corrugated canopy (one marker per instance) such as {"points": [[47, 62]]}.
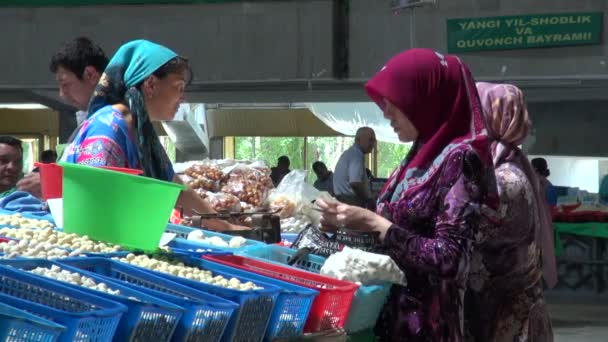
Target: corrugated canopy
{"points": [[347, 117], [29, 121], [309, 119]]}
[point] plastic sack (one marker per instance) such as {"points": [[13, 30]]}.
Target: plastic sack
{"points": [[363, 267]]}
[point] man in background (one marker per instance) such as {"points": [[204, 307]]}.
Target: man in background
{"points": [[47, 157], [325, 178], [280, 171], [351, 183], [11, 164], [77, 66]]}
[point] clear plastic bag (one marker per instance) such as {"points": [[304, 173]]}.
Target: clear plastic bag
{"points": [[204, 176], [248, 184], [251, 192], [222, 202], [253, 174], [294, 196]]}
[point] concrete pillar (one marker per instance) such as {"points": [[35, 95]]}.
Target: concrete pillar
{"points": [[216, 148]]}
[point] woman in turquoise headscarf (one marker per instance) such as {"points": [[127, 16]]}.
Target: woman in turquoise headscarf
{"points": [[143, 82]]}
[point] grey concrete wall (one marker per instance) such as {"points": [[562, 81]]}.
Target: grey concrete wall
{"points": [[576, 128], [282, 40], [233, 41], [377, 34], [279, 46]]}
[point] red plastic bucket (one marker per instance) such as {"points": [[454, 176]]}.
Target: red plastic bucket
{"points": [[124, 170], [51, 178]]}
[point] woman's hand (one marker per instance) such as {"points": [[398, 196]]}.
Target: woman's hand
{"points": [[337, 215]]}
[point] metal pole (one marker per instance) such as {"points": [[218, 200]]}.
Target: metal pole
{"points": [[412, 28], [305, 153]]}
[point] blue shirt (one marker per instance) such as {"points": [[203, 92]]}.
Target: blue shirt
{"points": [[550, 193]]}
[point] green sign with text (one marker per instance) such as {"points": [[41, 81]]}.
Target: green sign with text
{"points": [[524, 31]]}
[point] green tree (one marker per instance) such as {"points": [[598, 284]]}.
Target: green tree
{"points": [[390, 155], [325, 149], [269, 149]]}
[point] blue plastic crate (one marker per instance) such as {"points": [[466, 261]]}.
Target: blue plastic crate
{"points": [[367, 302], [256, 306], [147, 316], [206, 316], [106, 255], [86, 317], [22, 326], [289, 237], [366, 307], [282, 255], [183, 231], [291, 309], [179, 230], [192, 248]]}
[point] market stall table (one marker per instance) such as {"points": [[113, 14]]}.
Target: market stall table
{"points": [[580, 252]]}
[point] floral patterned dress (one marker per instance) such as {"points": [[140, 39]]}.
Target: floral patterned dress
{"points": [[106, 140], [506, 299]]}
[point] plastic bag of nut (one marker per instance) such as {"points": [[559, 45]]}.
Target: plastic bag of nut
{"points": [[253, 174], [204, 176], [248, 184], [285, 204], [247, 208], [248, 191], [224, 202], [265, 172]]}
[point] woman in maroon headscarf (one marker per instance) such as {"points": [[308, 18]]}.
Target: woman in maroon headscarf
{"points": [[429, 211], [506, 298]]}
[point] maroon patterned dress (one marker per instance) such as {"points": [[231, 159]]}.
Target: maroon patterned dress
{"points": [[431, 241]]}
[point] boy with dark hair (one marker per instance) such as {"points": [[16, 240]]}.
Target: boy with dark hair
{"points": [[78, 66]]}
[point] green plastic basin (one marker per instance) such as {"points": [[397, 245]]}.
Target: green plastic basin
{"points": [[116, 207]]}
